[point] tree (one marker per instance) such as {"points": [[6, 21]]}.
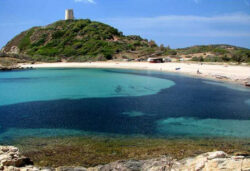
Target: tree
{"points": [[152, 43], [239, 57], [162, 48], [225, 58]]}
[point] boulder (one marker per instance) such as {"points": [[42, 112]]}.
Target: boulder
{"points": [[14, 50], [10, 156]]}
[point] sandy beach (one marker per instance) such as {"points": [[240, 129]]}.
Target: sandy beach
{"points": [[232, 73]]}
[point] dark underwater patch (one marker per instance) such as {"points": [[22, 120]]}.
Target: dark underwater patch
{"points": [[188, 98]]}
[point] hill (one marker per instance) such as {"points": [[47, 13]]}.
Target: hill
{"points": [[215, 53], [77, 40], [86, 40]]}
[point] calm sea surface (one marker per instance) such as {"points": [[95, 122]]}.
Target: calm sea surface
{"points": [[66, 102]]}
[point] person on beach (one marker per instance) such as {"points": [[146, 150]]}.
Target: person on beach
{"points": [[198, 71]]}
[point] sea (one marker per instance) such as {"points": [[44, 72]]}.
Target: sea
{"points": [[56, 102]]}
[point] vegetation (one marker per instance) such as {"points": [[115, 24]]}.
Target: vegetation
{"points": [[86, 40], [91, 151], [217, 49], [241, 56], [77, 40], [217, 53]]}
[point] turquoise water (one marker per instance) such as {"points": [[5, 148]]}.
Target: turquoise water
{"points": [[52, 84], [207, 127], [66, 102]]}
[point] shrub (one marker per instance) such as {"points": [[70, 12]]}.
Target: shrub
{"points": [[152, 43], [137, 43], [77, 45], [162, 48], [220, 51], [241, 56], [47, 51], [134, 37], [58, 34], [69, 51], [200, 59], [226, 58], [171, 52], [213, 59], [25, 41]]}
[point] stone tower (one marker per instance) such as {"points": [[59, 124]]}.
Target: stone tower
{"points": [[69, 14]]}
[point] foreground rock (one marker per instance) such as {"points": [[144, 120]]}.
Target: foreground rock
{"points": [[11, 160], [10, 157]]}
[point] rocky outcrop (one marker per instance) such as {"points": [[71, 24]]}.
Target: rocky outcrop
{"points": [[11, 160], [14, 50], [10, 157], [213, 161], [11, 68]]}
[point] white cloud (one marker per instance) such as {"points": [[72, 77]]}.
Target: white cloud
{"points": [[233, 25], [86, 1], [178, 20]]}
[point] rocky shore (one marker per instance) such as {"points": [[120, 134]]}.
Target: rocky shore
{"points": [[12, 160], [11, 68]]}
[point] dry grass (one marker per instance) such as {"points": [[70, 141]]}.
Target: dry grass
{"points": [[7, 61]]}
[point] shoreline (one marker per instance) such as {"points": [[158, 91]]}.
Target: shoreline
{"points": [[219, 72], [12, 159], [121, 148], [94, 151]]}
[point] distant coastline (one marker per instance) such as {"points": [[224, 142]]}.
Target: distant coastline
{"points": [[238, 74]]}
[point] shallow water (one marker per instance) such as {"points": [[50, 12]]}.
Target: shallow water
{"points": [[65, 102], [54, 84]]}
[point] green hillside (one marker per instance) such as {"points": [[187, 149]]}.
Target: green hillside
{"points": [[216, 53], [77, 40], [86, 40]]}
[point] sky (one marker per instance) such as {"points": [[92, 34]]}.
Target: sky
{"points": [[177, 23]]}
